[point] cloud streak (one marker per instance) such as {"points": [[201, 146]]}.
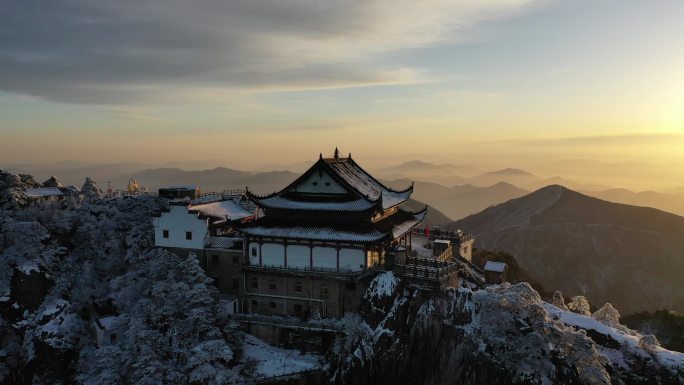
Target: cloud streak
{"points": [[615, 140], [130, 52]]}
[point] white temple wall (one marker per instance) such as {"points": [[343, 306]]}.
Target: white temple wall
{"points": [[273, 254], [177, 221], [325, 257], [253, 252], [352, 259], [298, 256]]}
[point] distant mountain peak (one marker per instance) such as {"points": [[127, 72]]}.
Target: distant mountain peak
{"points": [[584, 245], [416, 162], [420, 164], [503, 184], [510, 172], [554, 187]]}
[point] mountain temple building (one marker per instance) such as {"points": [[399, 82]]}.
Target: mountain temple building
{"points": [[321, 236], [311, 249]]}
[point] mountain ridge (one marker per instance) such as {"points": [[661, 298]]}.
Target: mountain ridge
{"points": [[588, 246]]}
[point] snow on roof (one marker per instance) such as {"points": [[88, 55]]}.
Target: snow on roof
{"points": [[222, 242], [229, 208], [395, 226], [43, 192], [321, 233], [365, 184], [207, 199], [277, 201], [497, 267], [404, 227], [444, 241], [107, 321]]}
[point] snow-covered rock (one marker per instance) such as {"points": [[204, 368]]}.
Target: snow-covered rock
{"points": [[558, 300], [90, 189], [580, 305], [12, 190], [28, 181], [382, 286], [501, 334], [52, 182], [270, 361], [608, 315], [649, 342]]}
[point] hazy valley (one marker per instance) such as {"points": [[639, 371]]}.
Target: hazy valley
{"points": [[456, 191]]}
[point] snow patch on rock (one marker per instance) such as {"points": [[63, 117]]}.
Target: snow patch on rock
{"points": [[270, 361], [382, 286]]}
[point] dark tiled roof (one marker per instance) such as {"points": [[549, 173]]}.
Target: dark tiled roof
{"points": [[314, 233], [389, 228], [223, 242], [497, 267], [359, 185], [284, 203], [401, 222], [232, 209], [365, 184]]}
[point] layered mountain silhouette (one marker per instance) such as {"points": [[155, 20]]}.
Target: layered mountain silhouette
{"points": [[216, 179], [630, 256], [672, 202], [461, 200]]}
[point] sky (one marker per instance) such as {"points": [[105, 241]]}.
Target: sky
{"points": [[543, 85]]}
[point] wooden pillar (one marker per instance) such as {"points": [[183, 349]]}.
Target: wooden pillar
{"points": [[286, 293], [338, 256], [311, 255], [260, 243], [311, 294], [285, 251]]}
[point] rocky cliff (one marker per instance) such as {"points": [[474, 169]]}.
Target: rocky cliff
{"points": [[499, 335]]}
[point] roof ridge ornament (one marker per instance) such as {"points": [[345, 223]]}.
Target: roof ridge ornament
{"points": [[336, 154], [320, 156]]}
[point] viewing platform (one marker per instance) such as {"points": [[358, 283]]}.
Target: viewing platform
{"points": [[429, 273]]}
